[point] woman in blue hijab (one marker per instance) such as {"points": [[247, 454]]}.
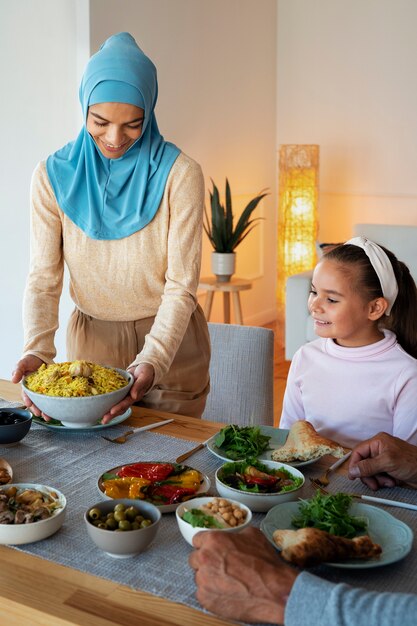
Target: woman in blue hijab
{"points": [[122, 208]]}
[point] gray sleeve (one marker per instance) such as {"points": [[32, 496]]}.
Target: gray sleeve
{"points": [[316, 601]]}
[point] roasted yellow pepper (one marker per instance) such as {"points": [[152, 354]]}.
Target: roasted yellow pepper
{"points": [[127, 487], [189, 479]]}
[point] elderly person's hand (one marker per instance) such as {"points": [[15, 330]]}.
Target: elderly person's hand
{"points": [[144, 375], [384, 461], [26, 366], [240, 576]]}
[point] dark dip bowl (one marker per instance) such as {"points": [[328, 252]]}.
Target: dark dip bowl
{"points": [[14, 425]]}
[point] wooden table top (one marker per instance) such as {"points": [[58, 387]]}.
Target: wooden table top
{"points": [[35, 591]]}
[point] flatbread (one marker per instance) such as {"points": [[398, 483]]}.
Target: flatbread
{"points": [[304, 443], [310, 546]]}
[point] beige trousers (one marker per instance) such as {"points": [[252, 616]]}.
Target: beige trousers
{"points": [[182, 390]]}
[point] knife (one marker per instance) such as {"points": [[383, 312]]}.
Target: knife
{"points": [[184, 456]]}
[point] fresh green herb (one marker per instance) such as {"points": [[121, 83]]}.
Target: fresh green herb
{"points": [[199, 519], [330, 513], [240, 442]]}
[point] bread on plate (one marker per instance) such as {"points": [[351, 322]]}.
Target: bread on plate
{"points": [[304, 443], [310, 546]]}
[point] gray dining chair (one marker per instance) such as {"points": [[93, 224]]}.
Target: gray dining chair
{"points": [[241, 375]]}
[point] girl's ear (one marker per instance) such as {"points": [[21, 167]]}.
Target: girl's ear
{"points": [[377, 308]]}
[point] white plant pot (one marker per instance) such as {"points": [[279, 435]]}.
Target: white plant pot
{"points": [[223, 265]]}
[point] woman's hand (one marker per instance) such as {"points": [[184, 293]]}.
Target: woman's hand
{"points": [[384, 461], [144, 375], [239, 576], [26, 366]]}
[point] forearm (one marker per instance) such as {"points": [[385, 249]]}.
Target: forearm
{"points": [[315, 601], [44, 284]]}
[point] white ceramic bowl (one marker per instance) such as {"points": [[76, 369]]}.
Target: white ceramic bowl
{"points": [[123, 544], [80, 412], [17, 534], [260, 502], [189, 531]]}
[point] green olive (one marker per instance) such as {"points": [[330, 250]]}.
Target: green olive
{"points": [[134, 526], [131, 513], [119, 516], [145, 523], [102, 525], [124, 525], [94, 513], [111, 523], [119, 507], [110, 515], [139, 518]]}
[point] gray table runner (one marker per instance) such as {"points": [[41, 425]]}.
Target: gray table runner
{"points": [[72, 462]]}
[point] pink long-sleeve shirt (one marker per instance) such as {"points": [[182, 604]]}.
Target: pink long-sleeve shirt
{"points": [[351, 394]]}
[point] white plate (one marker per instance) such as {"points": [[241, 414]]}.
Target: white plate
{"points": [[60, 427], [164, 508], [278, 438], [394, 537]]}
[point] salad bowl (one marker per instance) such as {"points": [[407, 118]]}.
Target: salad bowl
{"points": [[259, 485]]}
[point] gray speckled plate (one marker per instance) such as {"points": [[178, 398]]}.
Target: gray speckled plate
{"points": [[394, 537], [278, 438]]}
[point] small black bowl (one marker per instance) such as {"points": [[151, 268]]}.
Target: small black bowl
{"points": [[14, 425]]}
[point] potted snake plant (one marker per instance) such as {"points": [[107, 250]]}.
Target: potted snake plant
{"points": [[223, 234]]}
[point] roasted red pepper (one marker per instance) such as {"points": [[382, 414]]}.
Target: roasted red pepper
{"points": [[169, 493], [154, 472], [263, 481]]}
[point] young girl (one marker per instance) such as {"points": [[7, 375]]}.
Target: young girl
{"points": [[360, 376]]}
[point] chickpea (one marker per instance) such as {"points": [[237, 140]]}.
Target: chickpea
{"points": [[233, 521]]}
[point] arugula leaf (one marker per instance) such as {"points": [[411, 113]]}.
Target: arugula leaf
{"points": [[239, 442], [199, 519], [330, 513]]}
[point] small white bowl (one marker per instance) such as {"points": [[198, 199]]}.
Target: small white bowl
{"points": [[18, 534], [80, 412], [125, 543], [189, 531], [260, 502]]}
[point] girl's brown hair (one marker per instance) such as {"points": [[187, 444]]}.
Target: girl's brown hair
{"points": [[403, 317]]}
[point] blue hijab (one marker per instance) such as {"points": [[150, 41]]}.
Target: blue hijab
{"points": [[114, 198]]}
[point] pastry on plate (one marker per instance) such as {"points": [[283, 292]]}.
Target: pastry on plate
{"points": [[304, 443], [310, 546]]}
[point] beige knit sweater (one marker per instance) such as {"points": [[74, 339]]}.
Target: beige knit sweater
{"points": [[153, 272]]}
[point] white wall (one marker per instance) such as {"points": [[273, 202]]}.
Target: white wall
{"points": [[216, 66], [38, 113], [347, 81]]}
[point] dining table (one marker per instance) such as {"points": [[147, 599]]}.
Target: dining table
{"points": [[37, 589]]}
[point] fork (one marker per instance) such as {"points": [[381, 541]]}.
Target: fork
{"points": [[323, 480], [123, 438]]}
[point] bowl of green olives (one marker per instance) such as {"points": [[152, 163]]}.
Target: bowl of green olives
{"points": [[122, 528]]}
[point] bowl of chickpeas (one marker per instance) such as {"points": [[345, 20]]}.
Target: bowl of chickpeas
{"points": [[211, 513], [122, 528]]}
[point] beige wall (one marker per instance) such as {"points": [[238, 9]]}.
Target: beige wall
{"points": [[347, 81], [216, 64]]}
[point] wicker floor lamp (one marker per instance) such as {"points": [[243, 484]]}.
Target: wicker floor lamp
{"points": [[297, 216]]}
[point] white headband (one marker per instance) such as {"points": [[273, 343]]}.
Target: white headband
{"points": [[382, 266]]}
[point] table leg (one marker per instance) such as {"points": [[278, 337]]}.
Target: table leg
{"points": [[208, 304], [226, 307], [237, 307]]}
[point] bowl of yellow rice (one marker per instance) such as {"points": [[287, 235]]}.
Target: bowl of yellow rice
{"points": [[77, 393]]}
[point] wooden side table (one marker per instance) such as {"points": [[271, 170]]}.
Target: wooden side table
{"points": [[234, 286]]}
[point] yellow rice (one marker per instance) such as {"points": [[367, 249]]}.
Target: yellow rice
{"points": [[56, 380]]}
